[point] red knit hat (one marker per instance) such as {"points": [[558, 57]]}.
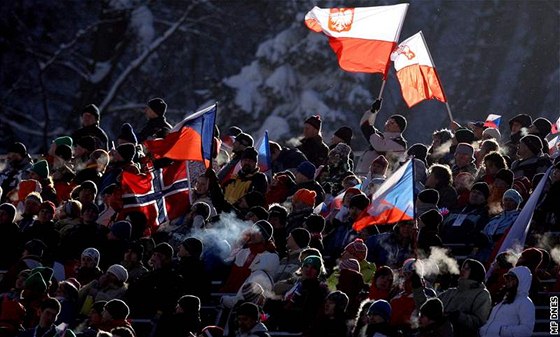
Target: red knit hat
{"points": [[306, 196], [357, 248]]}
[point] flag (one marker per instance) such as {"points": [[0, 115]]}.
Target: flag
{"points": [[393, 201], [265, 159], [363, 37], [555, 127], [162, 194], [190, 139], [416, 71], [325, 208], [493, 121]]}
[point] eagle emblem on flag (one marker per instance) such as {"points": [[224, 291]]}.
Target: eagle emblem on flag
{"points": [[405, 50], [340, 19]]}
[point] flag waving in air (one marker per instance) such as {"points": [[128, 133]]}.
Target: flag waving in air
{"points": [[416, 71], [493, 121], [363, 37], [393, 201], [190, 139], [265, 159]]}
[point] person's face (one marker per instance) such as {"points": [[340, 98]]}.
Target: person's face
{"points": [[375, 319], [89, 215], [44, 215], [237, 147], [335, 140], [424, 321], [491, 168], [354, 212], [31, 206], [309, 131], [248, 165], [511, 281], [431, 181], [476, 197], [377, 169], [330, 307], [88, 119], [245, 323], [523, 151], [130, 256], [515, 127], [465, 271], [392, 126], [462, 159], [509, 204], [115, 201], [47, 317], [87, 262], [405, 230], [300, 178], [95, 318], [500, 184], [384, 282], [157, 260], [333, 159], [308, 272], [86, 196], [14, 157], [105, 316], [5, 218], [201, 185], [182, 251], [291, 243]]}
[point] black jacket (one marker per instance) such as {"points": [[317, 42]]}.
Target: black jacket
{"points": [[155, 128], [101, 139]]}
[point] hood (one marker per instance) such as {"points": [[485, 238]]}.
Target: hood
{"points": [[524, 279]]}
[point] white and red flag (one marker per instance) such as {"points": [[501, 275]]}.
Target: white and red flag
{"points": [[363, 37], [493, 121], [416, 71]]}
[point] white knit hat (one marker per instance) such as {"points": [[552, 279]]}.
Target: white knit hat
{"points": [[119, 271]]}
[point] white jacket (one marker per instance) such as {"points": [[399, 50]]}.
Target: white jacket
{"points": [[516, 319]]}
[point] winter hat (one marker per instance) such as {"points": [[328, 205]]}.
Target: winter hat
{"points": [[419, 151], [118, 309], [314, 121], [122, 230], [429, 196], [49, 206], [465, 148], [543, 125], [360, 201], [87, 142], [305, 196], [26, 187], [64, 140], [315, 223], [344, 133], [63, 151], [165, 249], [89, 185], [254, 198], [351, 264], [506, 175], [127, 134], [478, 272], [313, 261], [523, 119], [119, 271], [492, 133], [433, 309], [194, 246], [400, 120], [189, 303], [342, 150], [482, 187], [464, 136], [357, 248], [531, 258], [158, 105], [36, 282], [307, 169], [340, 299], [35, 247], [212, 331], [137, 248], [41, 168], [432, 218], [90, 206], [265, 228], [127, 151], [381, 160], [523, 186], [533, 142], [34, 196], [234, 131], [98, 306], [513, 195], [249, 309], [260, 212], [46, 272], [10, 210], [93, 254], [250, 153], [381, 308], [301, 236], [18, 148], [91, 109], [244, 139], [413, 265], [252, 292]]}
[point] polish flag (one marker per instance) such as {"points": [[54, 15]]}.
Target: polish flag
{"points": [[362, 38], [416, 71], [493, 121]]}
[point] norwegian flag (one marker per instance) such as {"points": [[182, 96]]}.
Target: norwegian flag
{"points": [[493, 121], [162, 194]]}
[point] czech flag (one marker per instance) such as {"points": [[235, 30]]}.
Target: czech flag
{"points": [[493, 121], [555, 127], [190, 139], [362, 38], [393, 202], [265, 159]]}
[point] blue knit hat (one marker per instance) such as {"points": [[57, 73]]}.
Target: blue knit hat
{"points": [[307, 169], [381, 308]]}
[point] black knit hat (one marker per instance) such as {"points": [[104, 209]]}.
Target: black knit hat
{"points": [[315, 223], [431, 218], [165, 249], [127, 151], [360, 201], [533, 142], [265, 228], [63, 151], [506, 175], [91, 109], [464, 136], [248, 309], [250, 153], [158, 105], [87, 142], [400, 120], [127, 134], [340, 300], [429, 196], [419, 151], [118, 309], [301, 237], [478, 272], [314, 121], [189, 304], [194, 246], [344, 133], [433, 309], [10, 209], [482, 187], [137, 248], [18, 148], [35, 247], [523, 119], [244, 139], [543, 125], [260, 212]]}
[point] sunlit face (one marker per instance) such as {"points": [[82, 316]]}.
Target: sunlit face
{"points": [[309, 131], [45, 215], [391, 126], [308, 272], [462, 159], [201, 185], [523, 151], [248, 165], [377, 169], [88, 119], [465, 271], [515, 127], [384, 282]]}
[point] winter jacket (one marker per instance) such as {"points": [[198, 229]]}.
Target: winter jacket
{"points": [[155, 128], [384, 249], [288, 159], [259, 330], [530, 166], [287, 266], [498, 225], [461, 227], [248, 261], [101, 139], [438, 329], [315, 150], [244, 183], [12, 174], [515, 319]]}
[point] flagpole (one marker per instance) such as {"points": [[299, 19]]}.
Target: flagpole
{"points": [[189, 182], [382, 88], [439, 80]]}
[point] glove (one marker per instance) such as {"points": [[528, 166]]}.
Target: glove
{"points": [[376, 106]]}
